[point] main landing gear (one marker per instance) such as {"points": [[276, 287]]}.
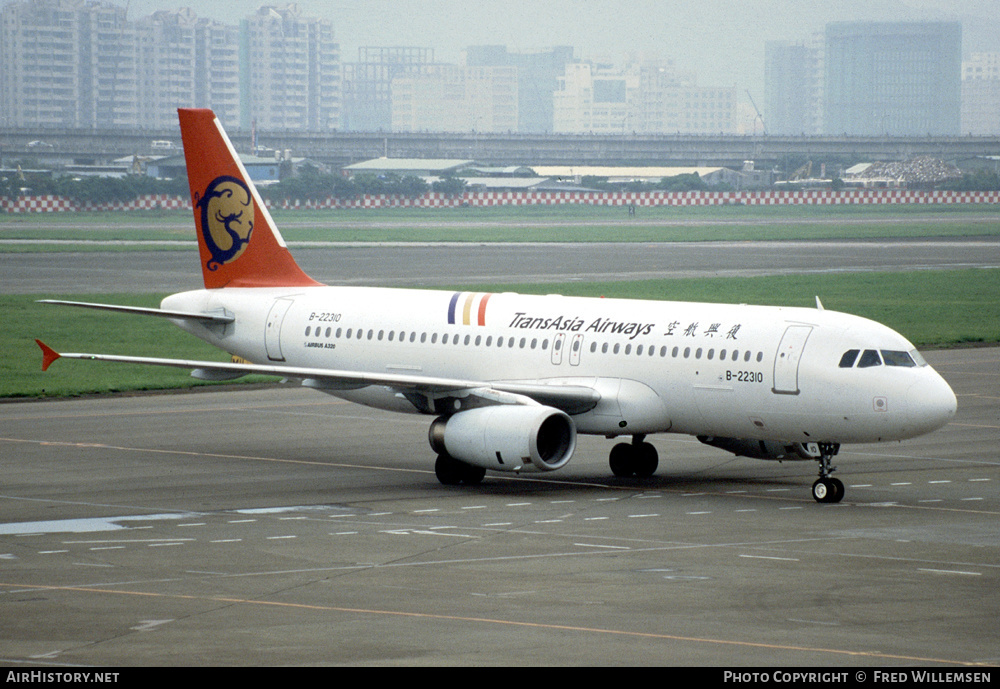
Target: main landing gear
{"points": [[452, 472], [636, 459], [826, 488]]}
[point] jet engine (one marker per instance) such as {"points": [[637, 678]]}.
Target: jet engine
{"points": [[506, 437], [763, 449]]}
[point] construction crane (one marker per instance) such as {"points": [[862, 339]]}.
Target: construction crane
{"points": [[760, 117]]}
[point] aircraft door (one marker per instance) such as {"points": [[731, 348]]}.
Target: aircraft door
{"points": [[558, 342], [272, 328], [576, 347], [786, 361]]}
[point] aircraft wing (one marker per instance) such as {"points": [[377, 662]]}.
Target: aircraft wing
{"points": [[422, 390]]}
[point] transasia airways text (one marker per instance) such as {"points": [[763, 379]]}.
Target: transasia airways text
{"points": [[575, 324], [633, 330]]}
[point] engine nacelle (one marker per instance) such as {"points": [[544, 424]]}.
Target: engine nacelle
{"points": [[763, 449], [506, 437]]}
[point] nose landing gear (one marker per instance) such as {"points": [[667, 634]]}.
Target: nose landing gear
{"points": [[826, 488], [638, 459]]}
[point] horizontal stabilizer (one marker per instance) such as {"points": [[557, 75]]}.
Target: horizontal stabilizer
{"points": [[138, 310], [48, 355]]}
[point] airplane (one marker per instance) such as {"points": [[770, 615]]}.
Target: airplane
{"points": [[510, 379]]}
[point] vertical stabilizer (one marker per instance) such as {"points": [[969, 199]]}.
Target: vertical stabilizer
{"points": [[238, 242]]}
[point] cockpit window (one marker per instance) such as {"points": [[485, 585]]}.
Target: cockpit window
{"points": [[917, 357], [895, 358], [869, 358], [850, 356]]}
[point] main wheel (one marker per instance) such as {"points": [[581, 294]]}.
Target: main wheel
{"points": [[828, 490], [621, 462], [452, 472], [646, 460]]}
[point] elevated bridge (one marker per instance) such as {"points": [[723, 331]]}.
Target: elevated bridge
{"points": [[97, 147]]}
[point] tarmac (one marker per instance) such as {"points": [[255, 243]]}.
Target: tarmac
{"points": [[279, 526]]}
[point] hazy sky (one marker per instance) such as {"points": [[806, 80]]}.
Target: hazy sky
{"points": [[721, 40]]}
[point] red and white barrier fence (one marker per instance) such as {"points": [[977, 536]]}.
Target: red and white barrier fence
{"points": [[43, 204]]}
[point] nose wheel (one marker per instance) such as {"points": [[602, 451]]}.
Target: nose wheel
{"points": [[826, 488], [638, 459]]}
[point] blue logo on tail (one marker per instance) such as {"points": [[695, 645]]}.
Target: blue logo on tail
{"points": [[226, 219]]}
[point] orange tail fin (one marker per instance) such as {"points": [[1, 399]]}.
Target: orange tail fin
{"points": [[237, 239]]}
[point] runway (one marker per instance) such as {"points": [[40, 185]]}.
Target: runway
{"points": [[278, 526], [397, 265]]}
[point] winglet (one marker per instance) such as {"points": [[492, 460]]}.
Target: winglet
{"points": [[48, 355]]}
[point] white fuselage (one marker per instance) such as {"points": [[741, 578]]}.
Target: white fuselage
{"points": [[757, 372]]}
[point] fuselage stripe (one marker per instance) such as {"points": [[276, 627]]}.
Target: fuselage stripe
{"points": [[482, 308], [451, 307], [467, 309]]}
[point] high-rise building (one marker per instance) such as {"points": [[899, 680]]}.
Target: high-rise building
{"points": [[452, 98], [81, 63], [646, 97], [537, 78], [596, 99], [897, 79], [981, 95], [793, 87], [368, 84], [217, 80], [67, 63], [290, 75], [167, 66]]}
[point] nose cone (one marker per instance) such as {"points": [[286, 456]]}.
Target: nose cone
{"points": [[931, 403]]}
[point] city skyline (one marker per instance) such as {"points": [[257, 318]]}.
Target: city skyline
{"points": [[283, 67], [723, 42]]}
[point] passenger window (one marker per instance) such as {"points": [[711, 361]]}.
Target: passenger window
{"points": [[869, 358], [850, 356], [894, 358]]}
